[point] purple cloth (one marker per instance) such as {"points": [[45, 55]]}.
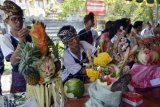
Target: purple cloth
{"points": [[18, 83]]}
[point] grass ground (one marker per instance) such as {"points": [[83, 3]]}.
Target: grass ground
{"points": [[7, 69]]}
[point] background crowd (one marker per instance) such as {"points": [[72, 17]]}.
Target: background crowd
{"points": [[117, 36]]}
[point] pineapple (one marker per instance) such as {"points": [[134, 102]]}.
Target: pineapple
{"points": [[58, 65], [54, 51], [46, 67], [27, 66], [33, 77]]}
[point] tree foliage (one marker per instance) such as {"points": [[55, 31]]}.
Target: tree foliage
{"points": [[116, 9], [133, 10], [72, 7]]}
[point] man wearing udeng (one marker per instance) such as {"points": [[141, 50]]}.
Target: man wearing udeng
{"points": [[10, 42], [75, 54]]}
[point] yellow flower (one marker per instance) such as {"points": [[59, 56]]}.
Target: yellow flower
{"points": [[92, 74], [102, 59], [92, 79]]}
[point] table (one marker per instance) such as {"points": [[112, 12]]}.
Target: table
{"points": [[151, 99]]}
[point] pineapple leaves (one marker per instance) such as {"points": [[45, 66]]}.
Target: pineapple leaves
{"points": [[28, 55]]}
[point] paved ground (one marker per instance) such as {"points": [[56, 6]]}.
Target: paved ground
{"points": [[6, 83]]}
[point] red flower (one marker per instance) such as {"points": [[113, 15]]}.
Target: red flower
{"points": [[157, 38]]}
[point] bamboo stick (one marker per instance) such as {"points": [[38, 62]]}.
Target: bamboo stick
{"points": [[46, 95]]}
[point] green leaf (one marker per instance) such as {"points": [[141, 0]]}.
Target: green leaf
{"points": [[106, 70]]}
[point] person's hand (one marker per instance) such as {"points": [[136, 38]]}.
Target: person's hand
{"points": [[83, 70], [23, 33]]}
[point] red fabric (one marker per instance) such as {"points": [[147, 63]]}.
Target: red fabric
{"points": [[144, 76], [132, 96]]}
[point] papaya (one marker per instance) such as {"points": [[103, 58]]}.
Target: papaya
{"points": [[39, 37]]}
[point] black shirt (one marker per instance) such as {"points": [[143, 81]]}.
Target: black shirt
{"points": [[86, 36]]}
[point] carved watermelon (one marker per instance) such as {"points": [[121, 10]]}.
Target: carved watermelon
{"points": [[146, 56], [74, 88]]}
